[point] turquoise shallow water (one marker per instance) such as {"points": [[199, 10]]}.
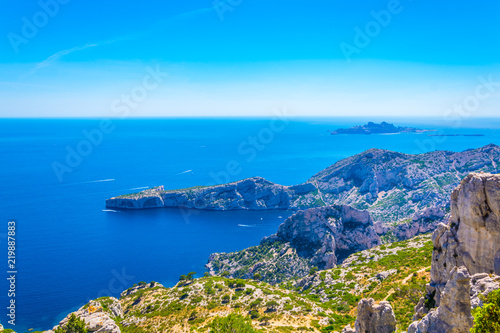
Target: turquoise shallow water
{"points": [[70, 249]]}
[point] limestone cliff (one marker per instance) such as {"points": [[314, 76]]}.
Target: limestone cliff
{"points": [[466, 257], [328, 234]]}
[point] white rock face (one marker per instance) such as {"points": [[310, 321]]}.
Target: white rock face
{"points": [[482, 284], [375, 318], [327, 235], [96, 318], [385, 274], [476, 211], [454, 313], [471, 241], [135, 289]]}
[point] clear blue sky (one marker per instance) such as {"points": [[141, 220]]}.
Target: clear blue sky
{"points": [[247, 58]]}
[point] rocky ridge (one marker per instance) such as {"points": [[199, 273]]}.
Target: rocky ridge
{"points": [[394, 187]]}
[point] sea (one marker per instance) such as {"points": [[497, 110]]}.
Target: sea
{"points": [[57, 173]]}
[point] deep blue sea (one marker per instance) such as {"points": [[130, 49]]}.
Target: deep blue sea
{"points": [[70, 249]]}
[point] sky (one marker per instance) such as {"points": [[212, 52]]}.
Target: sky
{"points": [[71, 58]]}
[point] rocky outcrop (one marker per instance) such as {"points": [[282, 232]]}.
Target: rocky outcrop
{"points": [[151, 198], [375, 318], [422, 222], [315, 237], [329, 234], [140, 286], [98, 316], [472, 236], [481, 285], [454, 313], [393, 187], [471, 241], [252, 193]]}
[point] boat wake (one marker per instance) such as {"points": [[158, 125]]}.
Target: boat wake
{"points": [[91, 181], [110, 210], [180, 173], [247, 225], [138, 188]]}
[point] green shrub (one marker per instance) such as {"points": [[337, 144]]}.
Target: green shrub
{"points": [[254, 314], [487, 318], [233, 323], [74, 325]]}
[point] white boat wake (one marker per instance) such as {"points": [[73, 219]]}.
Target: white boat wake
{"points": [[91, 181], [180, 173], [99, 181]]}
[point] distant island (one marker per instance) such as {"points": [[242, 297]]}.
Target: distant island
{"points": [[382, 128]]}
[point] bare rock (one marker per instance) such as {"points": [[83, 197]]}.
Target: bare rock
{"points": [[375, 318], [134, 289], [475, 208], [454, 313], [96, 318], [472, 236], [471, 241], [327, 235], [385, 274], [482, 284]]}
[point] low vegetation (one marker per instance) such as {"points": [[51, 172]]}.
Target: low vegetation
{"points": [[321, 302], [487, 318]]}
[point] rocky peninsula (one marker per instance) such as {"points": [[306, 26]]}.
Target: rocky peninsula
{"points": [[404, 190]]}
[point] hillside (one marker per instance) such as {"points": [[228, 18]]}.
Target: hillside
{"points": [[322, 302]]}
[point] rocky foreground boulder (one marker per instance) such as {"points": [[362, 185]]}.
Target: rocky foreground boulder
{"points": [[466, 257], [376, 318], [393, 187]]}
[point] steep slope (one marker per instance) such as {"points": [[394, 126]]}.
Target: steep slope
{"points": [[315, 237]]}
